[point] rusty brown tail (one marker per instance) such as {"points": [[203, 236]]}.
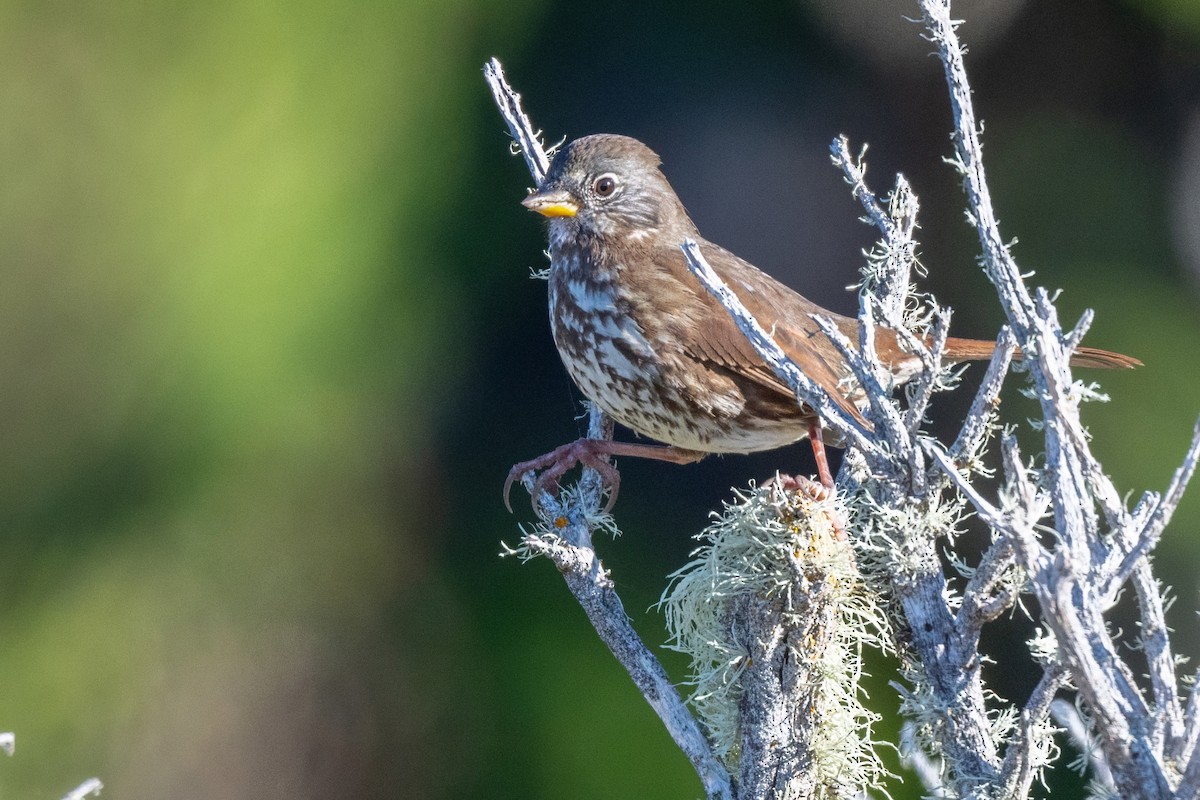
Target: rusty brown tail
{"points": [[981, 350]]}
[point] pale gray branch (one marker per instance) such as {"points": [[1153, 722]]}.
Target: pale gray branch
{"points": [[1071, 340], [1070, 719], [855, 173], [1191, 736], [927, 772], [983, 408], [1164, 508], [986, 596], [777, 695], [589, 582], [1022, 757], [870, 373], [91, 786], [993, 516], [571, 549], [889, 279], [927, 382], [1155, 641], [528, 141]]}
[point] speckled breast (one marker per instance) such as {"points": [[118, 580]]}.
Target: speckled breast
{"points": [[643, 381]]}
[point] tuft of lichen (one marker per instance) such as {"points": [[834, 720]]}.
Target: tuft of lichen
{"points": [[585, 517], [783, 550]]}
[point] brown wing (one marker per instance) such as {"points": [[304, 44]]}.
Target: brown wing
{"points": [[708, 334], [715, 339]]}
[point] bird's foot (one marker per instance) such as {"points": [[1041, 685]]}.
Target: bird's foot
{"points": [[553, 465], [798, 483], [592, 453], [817, 492]]}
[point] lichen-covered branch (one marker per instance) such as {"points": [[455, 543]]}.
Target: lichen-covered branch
{"points": [[896, 517], [890, 264], [1032, 748], [773, 614]]}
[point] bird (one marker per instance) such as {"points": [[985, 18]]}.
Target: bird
{"points": [[648, 345]]}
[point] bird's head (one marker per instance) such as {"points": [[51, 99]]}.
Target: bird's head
{"points": [[609, 185]]}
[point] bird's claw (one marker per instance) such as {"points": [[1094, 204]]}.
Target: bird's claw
{"points": [[814, 490], [799, 483], [553, 465]]}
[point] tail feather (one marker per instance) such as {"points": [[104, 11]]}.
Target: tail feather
{"points": [[1102, 359], [1092, 357]]}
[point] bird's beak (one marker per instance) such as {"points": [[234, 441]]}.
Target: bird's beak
{"points": [[552, 203]]}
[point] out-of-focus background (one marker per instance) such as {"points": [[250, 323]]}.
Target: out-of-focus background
{"points": [[268, 346]]}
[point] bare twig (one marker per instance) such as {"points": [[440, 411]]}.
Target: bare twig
{"points": [[1148, 533], [1029, 749], [1155, 641], [896, 254], [979, 418], [927, 382], [864, 363], [986, 596], [528, 141], [91, 786], [856, 173], [928, 773], [993, 516], [1069, 718]]}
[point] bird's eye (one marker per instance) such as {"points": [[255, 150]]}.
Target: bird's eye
{"points": [[605, 185]]}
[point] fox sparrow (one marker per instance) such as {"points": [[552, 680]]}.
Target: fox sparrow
{"points": [[654, 350]]}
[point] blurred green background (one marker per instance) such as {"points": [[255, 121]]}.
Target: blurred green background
{"points": [[268, 347]]}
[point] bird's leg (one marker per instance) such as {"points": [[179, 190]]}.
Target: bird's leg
{"points": [[592, 453], [818, 445]]}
